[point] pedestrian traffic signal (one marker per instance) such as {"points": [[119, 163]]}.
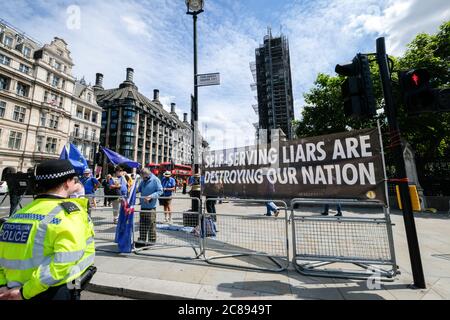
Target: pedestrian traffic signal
{"points": [[417, 93], [357, 89], [442, 97]]}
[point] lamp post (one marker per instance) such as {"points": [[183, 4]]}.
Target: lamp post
{"points": [[195, 7]]}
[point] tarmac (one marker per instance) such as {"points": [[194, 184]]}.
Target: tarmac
{"points": [[154, 277]]}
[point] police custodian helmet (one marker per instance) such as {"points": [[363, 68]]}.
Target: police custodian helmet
{"points": [[50, 174]]}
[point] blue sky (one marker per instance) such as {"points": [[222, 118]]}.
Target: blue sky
{"points": [[155, 38]]}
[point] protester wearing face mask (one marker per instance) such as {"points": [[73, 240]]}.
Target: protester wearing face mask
{"points": [[150, 189]]}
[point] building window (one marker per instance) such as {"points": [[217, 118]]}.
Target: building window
{"points": [[53, 99], [48, 77], [40, 143], [43, 119], [22, 90], [4, 83], [2, 108], [60, 52], [55, 82], [8, 41], [25, 69], [27, 52], [89, 97], [61, 102], [94, 134], [85, 133], [50, 147], [53, 123], [19, 114], [15, 140], [80, 112], [87, 115], [77, 130], [94, 117], [5, 60], [63, 86]]}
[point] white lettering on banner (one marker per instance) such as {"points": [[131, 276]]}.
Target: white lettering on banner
{"points": [[349, 174]]}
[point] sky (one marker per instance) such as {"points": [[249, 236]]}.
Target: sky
{"points": [[154, 37]]}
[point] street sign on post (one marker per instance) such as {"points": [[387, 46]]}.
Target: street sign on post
{"points": [[209, 79]]}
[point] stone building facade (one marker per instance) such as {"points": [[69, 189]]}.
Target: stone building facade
{"points": [[139, 128], [36, 87]]}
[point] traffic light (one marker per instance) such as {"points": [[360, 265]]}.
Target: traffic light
{"points": [[417, 92], [357, 89], [442, 97]]}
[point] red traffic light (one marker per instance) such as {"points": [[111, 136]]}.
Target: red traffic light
{"points": [[414, 79]]}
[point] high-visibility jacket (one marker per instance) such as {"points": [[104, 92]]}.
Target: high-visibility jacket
{"points": [[48, 243]]}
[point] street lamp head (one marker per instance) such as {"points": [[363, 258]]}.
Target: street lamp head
{"points": [[194, 6]]}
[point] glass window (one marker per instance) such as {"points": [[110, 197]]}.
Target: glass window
{"points": [[53, 99], [89, 97], [43, 119], [8, 41], [22, 89], [57, 65], [80, 112], [94, 117], [40, 143], [2, 108], [19, 114], [15, 140], [27, 52], [77, 130], [94, 134], [55, 82], [4, 60], [25, 69], [4, 83], [50, 146]]}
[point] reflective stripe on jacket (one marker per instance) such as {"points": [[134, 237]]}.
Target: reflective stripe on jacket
{"points": [[43, 245]]}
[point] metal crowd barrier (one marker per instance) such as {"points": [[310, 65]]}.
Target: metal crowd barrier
{"points": [[364, 242], [264, 239], [153, 236]]}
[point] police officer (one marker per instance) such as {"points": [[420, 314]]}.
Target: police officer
{"points": [[46, 246]]}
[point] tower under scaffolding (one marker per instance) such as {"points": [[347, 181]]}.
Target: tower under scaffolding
{"points": [[272, 75]]}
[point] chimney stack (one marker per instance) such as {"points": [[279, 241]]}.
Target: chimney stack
{"points": [[172, 107], [156, 95], [98, 81], [185, 115], [130, 74]]}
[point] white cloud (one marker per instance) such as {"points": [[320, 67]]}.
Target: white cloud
{"points": [[155, 38]]}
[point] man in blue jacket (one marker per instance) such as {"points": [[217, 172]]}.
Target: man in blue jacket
{"points": [[150, 189]]}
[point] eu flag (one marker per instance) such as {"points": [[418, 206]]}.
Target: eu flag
{"points": [[124, 230], [75, 157], [117, 159]]}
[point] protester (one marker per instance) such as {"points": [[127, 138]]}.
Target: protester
{"points": [[272, 207], [338, 209], [56, 250], [107, 191], [120, 187], [150, 189], [168, 184], [78, 191], [90, 186]]}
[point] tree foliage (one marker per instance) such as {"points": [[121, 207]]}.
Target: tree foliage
{"points": [[429, 133]]}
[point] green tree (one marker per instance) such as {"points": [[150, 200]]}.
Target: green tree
{"points": [[429, 134]]}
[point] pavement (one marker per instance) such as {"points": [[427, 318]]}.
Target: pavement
{"points": [[153, 277], [146, 276]]}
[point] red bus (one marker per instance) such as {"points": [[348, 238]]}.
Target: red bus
{"points": [[177, 170]]}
